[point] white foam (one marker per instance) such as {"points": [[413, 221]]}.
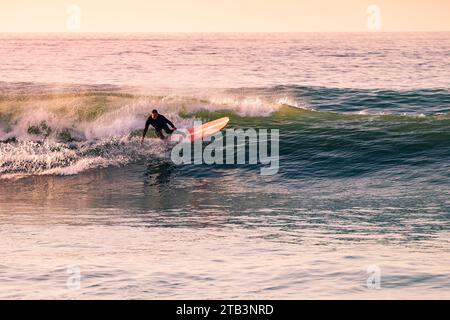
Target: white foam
{"points": [[83, 165], [33, 158], [293, 103], [116, 123]]}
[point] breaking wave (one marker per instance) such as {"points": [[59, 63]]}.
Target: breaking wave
{"points": [[66, 130]]}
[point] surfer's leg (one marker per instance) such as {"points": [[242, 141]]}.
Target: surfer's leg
{"points": [[159, 134], [168, 130]]}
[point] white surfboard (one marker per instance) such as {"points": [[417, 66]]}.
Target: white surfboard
{"points": [[205, 130]]}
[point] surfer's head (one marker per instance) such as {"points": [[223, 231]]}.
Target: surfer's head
{"points": [[154, 114]]}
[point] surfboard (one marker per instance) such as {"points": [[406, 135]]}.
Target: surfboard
{"points": [[205, 130]]}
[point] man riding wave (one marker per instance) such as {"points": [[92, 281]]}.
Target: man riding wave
{"points": [[160, 123]]}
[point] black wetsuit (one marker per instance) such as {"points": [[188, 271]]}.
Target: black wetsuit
{"points": [[160, 123]]}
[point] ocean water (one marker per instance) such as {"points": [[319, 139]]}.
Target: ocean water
{"points": [[359, 208]]}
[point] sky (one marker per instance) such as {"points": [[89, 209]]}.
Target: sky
{"points": [[224, 15]]}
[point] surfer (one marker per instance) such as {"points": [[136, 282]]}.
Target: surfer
{"points": [[160, 123]]}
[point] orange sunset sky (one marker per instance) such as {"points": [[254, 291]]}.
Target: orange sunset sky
{"points": [[223, 15]]}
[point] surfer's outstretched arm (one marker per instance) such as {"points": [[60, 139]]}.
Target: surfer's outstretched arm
{"points": [[169, 122], [147, 124]]}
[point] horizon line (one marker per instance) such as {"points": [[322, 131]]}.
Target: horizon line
{"points": [[249, 32]]}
